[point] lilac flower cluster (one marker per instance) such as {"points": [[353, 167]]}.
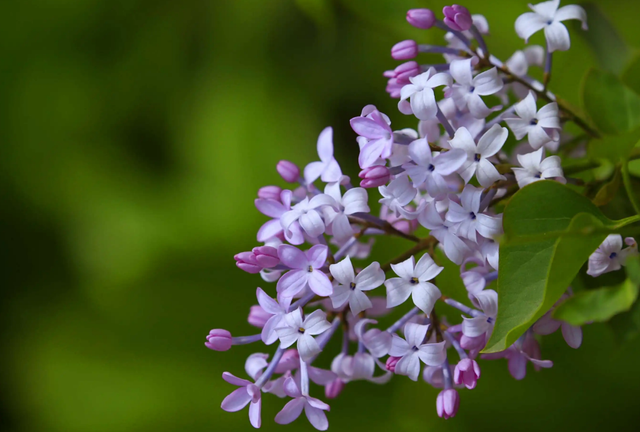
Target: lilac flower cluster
{"points": [[447, 176]]}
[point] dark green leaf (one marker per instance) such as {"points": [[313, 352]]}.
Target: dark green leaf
{"points": [[609, 190], [611, 106], [597, 305], [631, 75], [535, 274], [614, 148], [605, 42], [626, 325]]}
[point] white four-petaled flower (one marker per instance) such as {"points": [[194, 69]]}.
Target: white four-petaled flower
{"points": [[541, 126], [295, 329], [467, 90], [351, 287], [414, 281], [547, 16], [610, 256], [420, 91], [431, 169], [477, 155], [413, 349], [467, 218], [536, 167]]}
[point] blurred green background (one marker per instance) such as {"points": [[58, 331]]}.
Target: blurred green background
{"points": [[134, 136]]}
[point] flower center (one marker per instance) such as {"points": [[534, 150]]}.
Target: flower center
{"points": [[549, 22], [310, 269], [414, 348], [301, 330], [414, 281], [472, 215], [538, 175], [490, 320], [533, 122], [477, 157], [613, 255], [431, 167], [352, 285], [472, 89]]}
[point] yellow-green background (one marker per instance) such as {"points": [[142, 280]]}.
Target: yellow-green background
{"points": [[133, 137]]}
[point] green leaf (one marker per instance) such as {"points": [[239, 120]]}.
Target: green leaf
{"points": [[626, 325], [597, 305], [534, 274], [614, 148], [631, 75], [609, 190], [611, 51], [612, 107]]}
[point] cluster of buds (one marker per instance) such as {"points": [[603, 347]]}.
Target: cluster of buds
{"points": [[447, 176]]}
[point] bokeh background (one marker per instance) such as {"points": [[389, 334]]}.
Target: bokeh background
{"points": [[134, 135]]}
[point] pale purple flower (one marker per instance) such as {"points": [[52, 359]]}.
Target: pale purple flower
{"points": [[420, 91], [397, 194], [547, 325], [467, 218], [487, 300], [273, 228], [313, 408], [454, 248], [526, 349], [307, 213], [467, 372], [610, 256], [541, 126], [376, 341], [536, 167], [353, 201], [477, 162], [374, 127], [547, 16], [457, 17], [474, 278], [360, 366], [414, 349], [351, 288], [295, 329], [431, 170], [248, 393], [413, 281], [447, 403], [327, 169], [467, 90], [276, 310], [305, 271]]}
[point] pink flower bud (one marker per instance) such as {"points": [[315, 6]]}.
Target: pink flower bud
{"points": [[394, 88], [391, 363], [218, 340], [407, 70], [266, 256], [421, 18], [334, 388], [270, 192], [457, 17], [467, 372], [288, 171], [374, 176], [258, 317], [247, 261], [447, 403], [404, 50]]}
